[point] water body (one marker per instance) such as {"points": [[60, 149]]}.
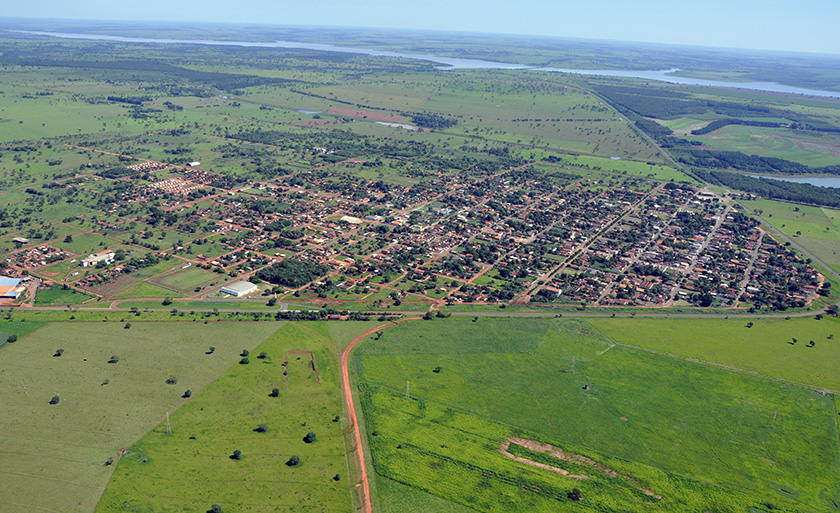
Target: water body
{"points": [[450, 63], [819, 181], [303, 111]]}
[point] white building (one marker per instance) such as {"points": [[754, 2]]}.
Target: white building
{"points": [[104, 256], [239, 289]]}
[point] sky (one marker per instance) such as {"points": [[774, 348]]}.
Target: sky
{"points": [[787, 25]]}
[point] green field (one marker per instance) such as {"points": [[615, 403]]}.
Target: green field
{"points": [[184, 469], [817, 229], [60, 450], [668, 416], [59, 296], [763, 349], [781, 143]]}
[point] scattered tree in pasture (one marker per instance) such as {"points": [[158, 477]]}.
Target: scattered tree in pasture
{"points": [[244, 361], [187, 394], [574, 495], [237, 455], [336, 478], [171, 380], [114, 359], [244, 352], [11, 339], [127, 326], [167, 301], [55, 399], [294, 461], [437, 369], [263, 355], [262, 428], [310, 438], [211, 350], [58, 352], [215, 508], [275, 392]]}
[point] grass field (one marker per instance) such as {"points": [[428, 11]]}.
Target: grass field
{"points": [[59, 296], [817, 151], [740, 433], [817, 229], [184, 469], [54, 455], [764, 349]]}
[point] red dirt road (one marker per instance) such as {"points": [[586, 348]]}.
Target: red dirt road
{"points": [[367, 507]]}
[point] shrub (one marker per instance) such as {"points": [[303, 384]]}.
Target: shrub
{"points": [[55, 399], [310, 438], [171, 380], [114, 359], [294, 461], [262, 428], [275, 392]]}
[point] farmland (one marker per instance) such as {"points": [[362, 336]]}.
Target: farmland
{"points": [[477, 377]]}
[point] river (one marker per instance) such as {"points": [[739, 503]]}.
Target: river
{"points": [[450, 63]]}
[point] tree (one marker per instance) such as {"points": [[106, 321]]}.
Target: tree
{"points": [[272, 302], [55, 399], [262, 428], [244, 353], [211, 351], [336, 477], [58, 352], [11, 339], [310, 438], [68, 239], [167, 301], [244, 361], [171, 380], [275, 392], [187, 394], [237, 455], [575, 495], [127, 326], [215, 508], [114, 359], [294, 461], [263, 355]]}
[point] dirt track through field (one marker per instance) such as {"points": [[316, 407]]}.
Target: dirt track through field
{"points": [[364, 483]]}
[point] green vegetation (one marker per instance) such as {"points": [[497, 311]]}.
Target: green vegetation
{"points": [[60, 449], [217, 426], [292, 273], [520, 383]]}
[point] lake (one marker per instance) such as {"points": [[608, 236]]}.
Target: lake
{"points": [[450, 63], [819, 181]]}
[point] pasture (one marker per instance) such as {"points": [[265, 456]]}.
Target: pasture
{"points": [[54, 455], [182, 470], [564, 381]]}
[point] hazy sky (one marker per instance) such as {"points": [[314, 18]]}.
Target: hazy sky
{"points": [[804, 25]]}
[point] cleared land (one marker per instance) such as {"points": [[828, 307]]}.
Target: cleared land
{"points": [[54, 456]]}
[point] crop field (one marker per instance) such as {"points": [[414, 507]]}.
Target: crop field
{"points": [[54, 455], [183, 470], [570, 386]]}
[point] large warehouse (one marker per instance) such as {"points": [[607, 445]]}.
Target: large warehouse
{"points": [[239, 289]]}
